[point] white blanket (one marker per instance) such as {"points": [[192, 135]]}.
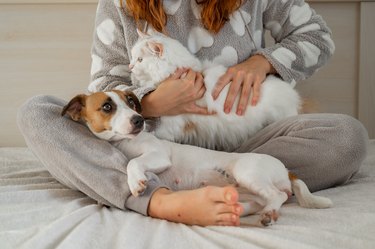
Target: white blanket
{"points": [[38, 212]]}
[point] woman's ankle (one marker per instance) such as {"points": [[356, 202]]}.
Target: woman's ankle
{"points": [[155, 207]]}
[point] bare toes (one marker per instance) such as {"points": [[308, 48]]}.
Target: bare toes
{"points": [[228, 217], [230, 194], [226, 194], [236, 209]]}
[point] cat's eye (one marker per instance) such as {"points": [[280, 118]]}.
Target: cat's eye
{"points": [[140, 59], [107, 107]]}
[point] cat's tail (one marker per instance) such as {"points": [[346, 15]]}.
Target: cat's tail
{"points": [[305, 198]]}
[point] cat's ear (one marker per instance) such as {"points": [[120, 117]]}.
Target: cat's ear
{"points": [[141, 34], [156, 48]]}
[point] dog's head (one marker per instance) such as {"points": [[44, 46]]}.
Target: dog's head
{"points": [[111, 116]]}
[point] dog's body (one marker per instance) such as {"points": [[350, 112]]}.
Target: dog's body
{"points": [[156, 57], [113, 116]]}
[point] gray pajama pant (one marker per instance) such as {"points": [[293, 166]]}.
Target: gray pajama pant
{"points": [[324, 150]]}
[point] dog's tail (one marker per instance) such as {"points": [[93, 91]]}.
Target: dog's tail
{"points": [[305, 198]]}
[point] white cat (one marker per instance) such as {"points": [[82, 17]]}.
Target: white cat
{"points": [[155, 57]]}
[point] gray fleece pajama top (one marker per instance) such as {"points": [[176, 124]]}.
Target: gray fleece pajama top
{"points": [[303, 41], [306, 144]]}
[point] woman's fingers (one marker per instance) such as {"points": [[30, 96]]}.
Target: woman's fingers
{"points": [[190, 76], [178, 73], [256, 91], [241, 85], [245, 79], [234, 90], [201, 92], [199, 81], [199, 86], [221, 83], [245, 95], [196, 109]]}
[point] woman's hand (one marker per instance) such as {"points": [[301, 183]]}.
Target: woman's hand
{"points": [[176, 95], [244, 78]]}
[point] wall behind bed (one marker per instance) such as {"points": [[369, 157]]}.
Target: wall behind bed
{"points": [[45, 49]]}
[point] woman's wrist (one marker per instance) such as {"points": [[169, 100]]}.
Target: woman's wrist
{"points": [[264, 63], [155, 208], [149, 108]]}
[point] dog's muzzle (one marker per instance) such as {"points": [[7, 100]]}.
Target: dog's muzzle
{"points": [[137, 123]]}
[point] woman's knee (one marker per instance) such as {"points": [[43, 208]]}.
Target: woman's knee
{"points": [[339, 145], [35, 110], [351, 145]]}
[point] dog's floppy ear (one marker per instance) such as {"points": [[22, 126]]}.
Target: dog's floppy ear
{"points": [[74, 107], [133, 101]]}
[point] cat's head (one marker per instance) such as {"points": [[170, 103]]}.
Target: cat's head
{"points": [[150, 62], [154, 57]]}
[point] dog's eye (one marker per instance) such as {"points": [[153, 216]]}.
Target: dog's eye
{"points": [[107, 107], [140, 59], [130, 100]]}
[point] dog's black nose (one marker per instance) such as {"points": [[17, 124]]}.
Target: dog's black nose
{"points": [[137, 121]]}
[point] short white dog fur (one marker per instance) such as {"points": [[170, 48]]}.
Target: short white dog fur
{"points": [[155, 57], [114, 116]]}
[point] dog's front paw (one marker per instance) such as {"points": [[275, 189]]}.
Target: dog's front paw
{"points": [[137, 187], [137, 183], [137, 179]]}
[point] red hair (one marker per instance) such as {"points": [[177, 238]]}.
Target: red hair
{"points": [[214, 13]]}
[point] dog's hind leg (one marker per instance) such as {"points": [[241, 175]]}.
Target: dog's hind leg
{"points": [[251, 175], [272, 198], [250, 207]]}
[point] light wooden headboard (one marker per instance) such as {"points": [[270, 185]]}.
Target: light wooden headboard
{"points": [[45, 49]]}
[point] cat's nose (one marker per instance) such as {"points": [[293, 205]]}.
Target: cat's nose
{"points": [[131, 66]]}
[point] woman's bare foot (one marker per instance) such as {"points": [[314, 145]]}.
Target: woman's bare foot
{"points": [[204, 206]]}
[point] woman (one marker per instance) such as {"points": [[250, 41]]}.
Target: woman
{"points": [[323, 149]]}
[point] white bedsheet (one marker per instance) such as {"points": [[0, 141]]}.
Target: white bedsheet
{"points": [[38, 212]]}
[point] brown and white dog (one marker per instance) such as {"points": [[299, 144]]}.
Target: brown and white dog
{"points": [[115, 116]]}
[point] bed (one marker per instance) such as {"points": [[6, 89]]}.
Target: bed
{"points": [[53, 58], [36, 211]]}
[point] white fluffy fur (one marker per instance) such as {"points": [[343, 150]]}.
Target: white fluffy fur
{"points": [[156, 57]]}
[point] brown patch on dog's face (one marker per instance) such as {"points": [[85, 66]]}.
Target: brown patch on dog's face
{"points": [[99, 111], [190, 127], [130, 99]]}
